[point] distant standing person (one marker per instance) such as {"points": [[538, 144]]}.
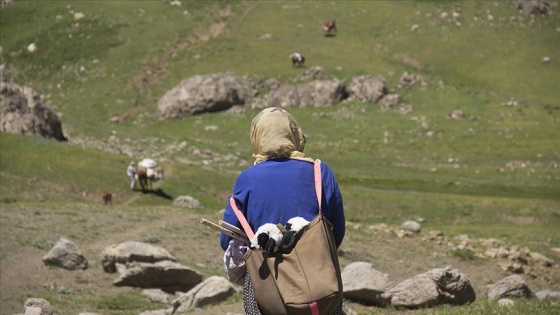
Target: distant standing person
{"points": [[131, 172], [329, 28]]}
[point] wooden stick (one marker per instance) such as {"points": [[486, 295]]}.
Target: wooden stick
{"points": [[231, 227], [224, 230]]}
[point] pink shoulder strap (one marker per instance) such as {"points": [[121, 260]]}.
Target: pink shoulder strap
{"points": [[318, 192], [318, 182]]}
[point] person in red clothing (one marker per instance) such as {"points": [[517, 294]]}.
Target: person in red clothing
{"points": [[330, 27], [280, 185]]}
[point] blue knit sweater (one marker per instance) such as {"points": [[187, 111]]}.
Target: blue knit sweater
{"points": [[275, 191]]}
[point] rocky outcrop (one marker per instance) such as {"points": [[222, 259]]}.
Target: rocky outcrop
{"points": [[205, 93], [22, 111], [367, 88], [221, 91], [311, 94]]}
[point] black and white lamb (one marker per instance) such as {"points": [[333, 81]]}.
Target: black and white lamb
{"points": [[293, 231], [267, 238]]}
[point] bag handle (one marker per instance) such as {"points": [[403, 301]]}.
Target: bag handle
{"points": [[318, 192]]}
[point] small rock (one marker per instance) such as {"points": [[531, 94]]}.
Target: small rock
{"points": [[506, 303]]}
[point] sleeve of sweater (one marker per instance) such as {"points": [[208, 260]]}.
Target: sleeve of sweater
{"points": [[239, 194], [333, 205]]}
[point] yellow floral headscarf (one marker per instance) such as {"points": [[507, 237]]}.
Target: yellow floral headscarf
{"points": [[276, 134]]}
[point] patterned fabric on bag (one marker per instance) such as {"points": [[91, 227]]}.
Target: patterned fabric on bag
{"points": [[234, 261]]}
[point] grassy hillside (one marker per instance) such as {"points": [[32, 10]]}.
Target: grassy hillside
{"points": [[495, 173]]}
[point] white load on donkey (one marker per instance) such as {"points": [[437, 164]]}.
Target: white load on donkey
{"points": [[148, 172]]}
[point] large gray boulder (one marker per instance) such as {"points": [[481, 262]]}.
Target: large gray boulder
{"points": [[438, 286], [366, 88], [38, 306], [365, 284], [548, 294], [533, 6], [512, 286], [312, 94], [205, 93], [132, 252], [213, 290], [67, 255], [165, 274], [22, 111]]}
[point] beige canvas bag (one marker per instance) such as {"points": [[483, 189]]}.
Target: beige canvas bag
{"points": [[305, 281]]}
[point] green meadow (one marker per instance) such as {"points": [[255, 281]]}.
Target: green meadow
{"points": [[493, 174]]}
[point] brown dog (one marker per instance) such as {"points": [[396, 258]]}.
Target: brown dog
{"points": [[107, 198]]}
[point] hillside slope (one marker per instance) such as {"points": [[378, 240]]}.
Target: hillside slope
{"points": [[103, 66]]}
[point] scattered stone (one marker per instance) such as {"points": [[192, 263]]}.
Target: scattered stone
{"points": [[364, 284], [512, 267], [32, 47], [541, 259], [156, 295], [438, 286], [187, 202], [67, 255], [409, 80], [32, 310], [548, 294], [533, 6], [506, 302], [457, 115], [165, 274], [213, 290], [132, 252], [492, 243], [78, 16], [389, 100], [313, 73], [42, 304], [411, 226], [512, 286]]}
